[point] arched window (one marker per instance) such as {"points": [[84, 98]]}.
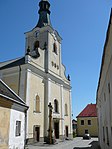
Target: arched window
{"points": [[55, 48], [66, 109], [37, 104], [36, 45], [55, 106]]}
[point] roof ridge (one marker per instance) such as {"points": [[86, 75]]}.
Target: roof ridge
{"points": [[89, 110]]}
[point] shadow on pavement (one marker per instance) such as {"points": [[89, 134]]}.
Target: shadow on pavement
{"points": [[94, 145], [82, 148]]}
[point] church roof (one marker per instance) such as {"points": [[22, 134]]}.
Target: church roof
{"points": [[12, 63], [89, 111], [9, 94]]}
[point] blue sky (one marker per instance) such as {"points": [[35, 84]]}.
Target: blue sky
{"points": [[81, 23]]}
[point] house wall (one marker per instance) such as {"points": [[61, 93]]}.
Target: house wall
{"points": [[16, 142], [92, 129], [4, 123], [104, 95]]}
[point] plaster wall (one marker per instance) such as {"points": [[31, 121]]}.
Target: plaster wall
{"points": [[104, 97], [36, 87], [4, 123], [92, 129], [12, 81], [16, 142]]}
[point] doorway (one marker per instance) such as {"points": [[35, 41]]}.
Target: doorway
{"points": [[56, 130], [66, 131], [36, 133]]}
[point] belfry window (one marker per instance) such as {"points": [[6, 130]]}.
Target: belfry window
{"points": [[55, 106], [36, 45], [55, 48]]}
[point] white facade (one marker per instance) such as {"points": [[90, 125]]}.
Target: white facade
{"points": [[12, 119], [16, 141], [104, 94]]}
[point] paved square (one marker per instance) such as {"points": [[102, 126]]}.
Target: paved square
{"points": [[77, 143]]}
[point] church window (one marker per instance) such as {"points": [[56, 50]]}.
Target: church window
{"points": [[109, 88], [55, 48], [18, 128], [37, 104], [107, 135], [66, 110], [104, 97], [36, 45], [55, 106], [103, 134]]}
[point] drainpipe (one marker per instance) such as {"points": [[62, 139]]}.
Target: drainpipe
{"points": [[25, 141], [19, 79]]}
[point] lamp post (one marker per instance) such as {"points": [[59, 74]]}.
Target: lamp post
{"points": [[50, 124]]}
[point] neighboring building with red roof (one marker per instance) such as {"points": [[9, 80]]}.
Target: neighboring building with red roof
{"points": [[87, 121]]}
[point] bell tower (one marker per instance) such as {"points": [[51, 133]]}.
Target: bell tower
{"points": [[43, 43]]}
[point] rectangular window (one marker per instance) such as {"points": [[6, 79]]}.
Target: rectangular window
{"points": [[82, 122], [109, 88], [89, 122], [18, 128], [86, 131], [107, 135], [104, 97], [111, 130]]}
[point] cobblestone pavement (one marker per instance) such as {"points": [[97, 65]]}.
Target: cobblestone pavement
{"points": [[77, 143]]}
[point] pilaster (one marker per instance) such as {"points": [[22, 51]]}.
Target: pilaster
{"points": [[70, 104], [27, 99], [47, 99], [62, 113]]}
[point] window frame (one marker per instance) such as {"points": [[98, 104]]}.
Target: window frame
{"points": [[107, 133], [82, 123], [89, 122], [56, 106], [55, 48], [103, 133], [66, 109], [37, 104], [36, 44], [18, 128], [86, 131]]}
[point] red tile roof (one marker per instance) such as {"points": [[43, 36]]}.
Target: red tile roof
{"points": [[89, 111]]}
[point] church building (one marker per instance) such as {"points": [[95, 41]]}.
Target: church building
{"points": [[39, 79]]}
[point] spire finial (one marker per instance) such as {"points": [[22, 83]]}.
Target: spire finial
{"points": [[44, 14]]}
